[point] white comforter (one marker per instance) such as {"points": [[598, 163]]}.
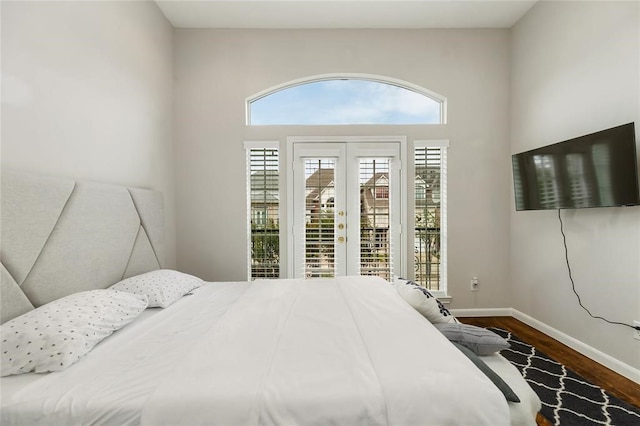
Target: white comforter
{"points": [[345, 351]]}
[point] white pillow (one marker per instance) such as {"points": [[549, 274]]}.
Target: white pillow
{"points": [[162, 287], [424, 302], [54, 336]]}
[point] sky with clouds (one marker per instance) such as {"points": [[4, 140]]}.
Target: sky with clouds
{"points": [[349, 101]]}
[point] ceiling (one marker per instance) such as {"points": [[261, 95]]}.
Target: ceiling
{"points": [[385, 14]]}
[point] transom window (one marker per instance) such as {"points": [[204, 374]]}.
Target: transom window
{"points": [[337, 101]]}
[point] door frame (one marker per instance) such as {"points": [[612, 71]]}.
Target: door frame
{"points": [[404, 188]]}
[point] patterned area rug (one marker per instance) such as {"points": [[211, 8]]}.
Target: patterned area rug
{"points": [[567, 398]]}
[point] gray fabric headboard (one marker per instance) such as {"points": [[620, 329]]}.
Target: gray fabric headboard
{"points": [[60, 236]]}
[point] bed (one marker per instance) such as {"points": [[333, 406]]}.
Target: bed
{"points": [[341, 351]]}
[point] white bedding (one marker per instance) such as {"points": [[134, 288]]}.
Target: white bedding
{"points": [[345, 351]]}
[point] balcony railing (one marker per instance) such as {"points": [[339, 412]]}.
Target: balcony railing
{"points": [[265, 251], [374, 253], [427, 257]]}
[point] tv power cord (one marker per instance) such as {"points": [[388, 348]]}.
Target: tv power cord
{"points": [[573, 285]]}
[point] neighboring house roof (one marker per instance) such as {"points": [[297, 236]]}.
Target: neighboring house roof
{"points": [[367, 194], [265, 179], [319, 180], [428, 174], [269, 181], [322, 179], [429, 179], [378, 179], [265, 197]]}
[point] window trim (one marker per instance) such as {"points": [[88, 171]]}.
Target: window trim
{"points": [[349, 76]]}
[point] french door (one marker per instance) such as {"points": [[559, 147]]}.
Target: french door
{"points": [[346, 209]]}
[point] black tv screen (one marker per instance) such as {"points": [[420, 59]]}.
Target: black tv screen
{"points": [[595, 170]]}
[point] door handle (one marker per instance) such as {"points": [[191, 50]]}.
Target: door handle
{"points": [[341, 239], [341, 226]]}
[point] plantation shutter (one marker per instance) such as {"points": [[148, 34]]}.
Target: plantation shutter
{"points": [[375, 235], [430, 214], [319, 241], [263, 181]]}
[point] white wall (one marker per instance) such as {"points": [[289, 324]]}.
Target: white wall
{"points": [[87, 93], [216, 70], [576, 70]]}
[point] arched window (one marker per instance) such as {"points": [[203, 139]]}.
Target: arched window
{"points": [[335, 100]]}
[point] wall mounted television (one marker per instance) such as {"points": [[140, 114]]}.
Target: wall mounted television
{"points": [[595, 170]]}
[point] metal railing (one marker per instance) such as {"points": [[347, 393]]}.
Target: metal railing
{"points": [[265, 251], [374, 252], [427, 257]]}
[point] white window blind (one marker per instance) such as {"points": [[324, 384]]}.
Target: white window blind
{"points": [[263, 193], [430, 214], [319, 242], [375, 236]]}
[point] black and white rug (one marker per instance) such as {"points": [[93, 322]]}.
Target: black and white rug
{"points": [[567, 398]]}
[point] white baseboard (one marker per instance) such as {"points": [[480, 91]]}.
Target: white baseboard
{"points": [[598, 356], [490, 312]]}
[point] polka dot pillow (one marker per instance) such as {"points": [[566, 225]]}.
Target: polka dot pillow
{"points": [[162, 287], [424, 302], [54, 336]]}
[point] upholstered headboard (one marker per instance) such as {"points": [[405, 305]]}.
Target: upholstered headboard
{"points": [[60, 236]]}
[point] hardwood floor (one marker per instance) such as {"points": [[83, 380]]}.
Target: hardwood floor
{"points": [[614, 383]]}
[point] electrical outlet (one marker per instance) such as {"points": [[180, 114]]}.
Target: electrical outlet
{"points": [[636, 333], [474, 284]]}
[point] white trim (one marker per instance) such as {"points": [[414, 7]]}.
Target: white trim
{"points": [[261, 144], [320, 139], [439, 143], [247, 166], [487, 312], [289, 235], [444, 218], [355, 76], [404, 203], [443, 298], [596, 355]]}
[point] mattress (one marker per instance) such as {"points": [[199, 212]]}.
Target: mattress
{"points": [[338, 351]]}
